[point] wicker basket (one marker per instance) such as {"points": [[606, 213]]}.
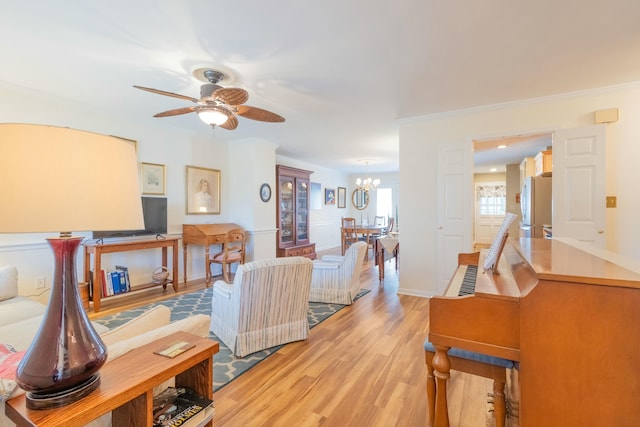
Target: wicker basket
{"points": [[160, 275]]}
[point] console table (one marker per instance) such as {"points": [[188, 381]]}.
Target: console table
{"points": [[126, 386], [99, 249]]}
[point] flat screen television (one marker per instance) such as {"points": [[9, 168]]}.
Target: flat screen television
{"points": [[154, 211]]}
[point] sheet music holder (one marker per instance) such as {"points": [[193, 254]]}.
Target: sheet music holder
{"points": [[491, 261]]}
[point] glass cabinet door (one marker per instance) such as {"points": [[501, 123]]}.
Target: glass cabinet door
{"points": [[286, 209], [302, 203]]}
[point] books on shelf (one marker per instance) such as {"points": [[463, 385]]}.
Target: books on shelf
{"points": [[124, 277], [181, 406], [114, 282]]}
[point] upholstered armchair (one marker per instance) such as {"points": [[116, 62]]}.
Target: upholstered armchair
{"points": [[265, 306], [336, 279]]}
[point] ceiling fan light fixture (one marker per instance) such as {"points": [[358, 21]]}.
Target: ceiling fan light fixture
{"points": [[212, 116]]}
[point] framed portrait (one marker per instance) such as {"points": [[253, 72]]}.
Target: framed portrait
{"points": [[329, 196], [203, 190], [152, 178], [342, 197]]}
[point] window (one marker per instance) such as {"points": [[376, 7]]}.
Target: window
{"points": [[491, 199], [384, 205]]}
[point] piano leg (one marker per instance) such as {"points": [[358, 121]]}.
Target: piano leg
{"points": [[431, 388], [442, 367]]}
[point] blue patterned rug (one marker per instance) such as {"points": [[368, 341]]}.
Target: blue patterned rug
{"points": [[226, 367]]}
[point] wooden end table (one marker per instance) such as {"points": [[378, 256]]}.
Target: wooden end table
{"points": [[126, 386]]}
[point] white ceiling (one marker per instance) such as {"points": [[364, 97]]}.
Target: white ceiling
{"points": [[342, 73]]}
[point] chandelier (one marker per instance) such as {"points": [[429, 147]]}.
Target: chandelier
{"points": [[368, 183]]}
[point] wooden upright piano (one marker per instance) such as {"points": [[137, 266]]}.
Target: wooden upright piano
{"points": [[203, 235], [569, 315]]}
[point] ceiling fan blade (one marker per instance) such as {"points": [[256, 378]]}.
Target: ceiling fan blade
{"points": [[231, 123], [176, 112], [255, 113], [231, 95], [162, 92]]}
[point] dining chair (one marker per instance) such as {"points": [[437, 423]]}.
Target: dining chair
{"points": [[233, 251], [380, 221], [348, 233], [391, 224]]}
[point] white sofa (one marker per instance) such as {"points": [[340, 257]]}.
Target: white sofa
{"points": [[20, 319]]}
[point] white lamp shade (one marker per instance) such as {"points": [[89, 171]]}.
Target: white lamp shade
{"points": [[63, 180], [212, 116]]}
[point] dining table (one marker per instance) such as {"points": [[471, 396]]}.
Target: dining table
{"points": [[366, 231], [385, 248]]}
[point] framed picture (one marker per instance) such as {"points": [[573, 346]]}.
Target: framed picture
{"points": [[329, 196], [342, 197], [152, 178], [203, 190]]}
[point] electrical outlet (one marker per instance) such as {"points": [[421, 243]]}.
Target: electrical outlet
{"points": [[41, 282]]}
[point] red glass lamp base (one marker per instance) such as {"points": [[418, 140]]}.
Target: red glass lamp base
{"points": [[62, 363]]}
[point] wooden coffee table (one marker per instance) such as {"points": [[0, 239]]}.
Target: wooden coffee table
{"points": [[126, 386]]}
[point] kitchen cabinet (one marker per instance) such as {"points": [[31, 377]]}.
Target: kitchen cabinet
{"points": [[544, 163], [293, 193]]}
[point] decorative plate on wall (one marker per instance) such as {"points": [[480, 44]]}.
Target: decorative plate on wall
{"points": [[265, 192]]}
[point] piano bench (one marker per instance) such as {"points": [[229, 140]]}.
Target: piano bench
{"points": [[473, 363]]}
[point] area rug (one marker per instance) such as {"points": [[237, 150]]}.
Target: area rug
{"points": [[226, 367]]}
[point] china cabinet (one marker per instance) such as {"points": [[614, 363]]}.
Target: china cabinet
{"points": [[293, 191]]}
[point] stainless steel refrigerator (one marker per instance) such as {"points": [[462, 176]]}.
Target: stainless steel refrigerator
{"points": [[536, 205]]}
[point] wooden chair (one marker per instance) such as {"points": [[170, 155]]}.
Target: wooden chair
{"points": [[378, 221], [348, 232], [472, 363], [233, 251], [391, 224]]}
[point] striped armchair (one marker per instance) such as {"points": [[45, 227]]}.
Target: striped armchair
{"points": [[336, 279], [265, 306]]}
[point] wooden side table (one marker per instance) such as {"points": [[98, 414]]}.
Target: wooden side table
{"points": [[126, 386], [99, 249]]}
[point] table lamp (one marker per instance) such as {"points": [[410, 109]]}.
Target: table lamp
{"points": [[62, 180]]}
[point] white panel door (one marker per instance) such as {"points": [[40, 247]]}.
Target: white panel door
{"points": [[454, 206], [579, 184]]}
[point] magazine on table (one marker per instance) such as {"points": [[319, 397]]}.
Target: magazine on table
{"points": [[181, 406]]}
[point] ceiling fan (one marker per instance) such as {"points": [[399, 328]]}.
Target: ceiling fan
{"points": [[218, 106]]}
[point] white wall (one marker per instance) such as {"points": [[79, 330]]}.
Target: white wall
{"points": [[420, 136]]}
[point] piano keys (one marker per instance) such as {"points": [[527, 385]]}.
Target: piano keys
{"points": [[463, 281], [203, 235], [569, 316]]}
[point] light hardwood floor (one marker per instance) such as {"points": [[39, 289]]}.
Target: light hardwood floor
{"points": [[364, 366]]}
